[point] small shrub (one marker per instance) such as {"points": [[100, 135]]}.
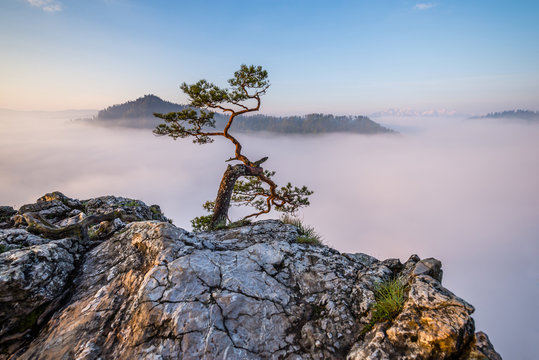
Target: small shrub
{"points": [[307, 234], [390, 296], [3, 248], [130, 203], [201, 223], [237, 224]]}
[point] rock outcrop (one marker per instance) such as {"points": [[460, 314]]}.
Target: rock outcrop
{"points": [[136, 287]]}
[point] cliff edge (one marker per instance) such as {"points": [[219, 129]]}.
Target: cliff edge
{"points": [[111, 278]]}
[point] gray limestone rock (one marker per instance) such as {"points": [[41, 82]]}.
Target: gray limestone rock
{"points": [[67, 201], [36, 272], [431, 267], [149, 290], [136, 208], [6, 212], [482, 349], [19, 238], [30, 279], [52, 210]]}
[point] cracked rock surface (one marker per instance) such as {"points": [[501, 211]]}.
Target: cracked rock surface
{"points": [[150, 290]]}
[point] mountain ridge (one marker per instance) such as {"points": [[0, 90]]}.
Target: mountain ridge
{"points": [[527, 115], [139, 113]]}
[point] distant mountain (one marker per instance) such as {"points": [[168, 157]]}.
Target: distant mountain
{"points": [[143, 107], [139, 113], [526, 115]]}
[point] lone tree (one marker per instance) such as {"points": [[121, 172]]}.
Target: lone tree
{"points": [[257, 189]]}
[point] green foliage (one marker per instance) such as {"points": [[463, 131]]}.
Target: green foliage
{"points": [[204, 94], [187, 122], [254, 192], [390, 296], [253, 77], [307, 234], [258, 189], [201, 223], [309, 239], [3, 248], [238, 223], [208, 205], [131, 203]]}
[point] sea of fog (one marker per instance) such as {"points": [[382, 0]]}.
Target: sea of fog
{"points": [[463, 191]]}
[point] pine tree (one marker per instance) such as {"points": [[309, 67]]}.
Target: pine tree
{"points": [[245, 182]]}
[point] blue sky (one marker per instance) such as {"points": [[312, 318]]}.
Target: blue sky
{"points": [[345, 57]]}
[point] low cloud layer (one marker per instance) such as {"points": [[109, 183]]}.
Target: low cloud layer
{"points": [[463, 191]]}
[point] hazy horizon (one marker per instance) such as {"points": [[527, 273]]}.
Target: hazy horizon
{"points": [[380, 114]]}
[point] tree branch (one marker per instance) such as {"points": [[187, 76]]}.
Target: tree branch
{"points": [[38, 225]]}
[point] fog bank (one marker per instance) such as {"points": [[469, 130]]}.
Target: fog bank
{"points": [[463, 191]]}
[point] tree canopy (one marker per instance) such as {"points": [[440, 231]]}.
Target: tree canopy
{"points": [[257, 189]]}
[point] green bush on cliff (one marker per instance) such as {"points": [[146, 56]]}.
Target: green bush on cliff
{"points": [[307, 234], [390, 296]]}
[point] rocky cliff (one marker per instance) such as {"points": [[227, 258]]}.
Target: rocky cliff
{"points": [[111, 278]]}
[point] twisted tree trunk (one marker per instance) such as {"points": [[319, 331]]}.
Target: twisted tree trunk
{"points": [[222, 202], [38, 225]]}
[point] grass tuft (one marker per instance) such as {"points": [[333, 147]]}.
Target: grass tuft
{"points": [[307, 234], [390, 296]]}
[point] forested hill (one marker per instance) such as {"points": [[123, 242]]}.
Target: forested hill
{"points": [[139, 114], [143, 107], [309, 124], [512, 114]]}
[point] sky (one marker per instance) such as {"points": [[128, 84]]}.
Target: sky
{"points": [[341, 57]]}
